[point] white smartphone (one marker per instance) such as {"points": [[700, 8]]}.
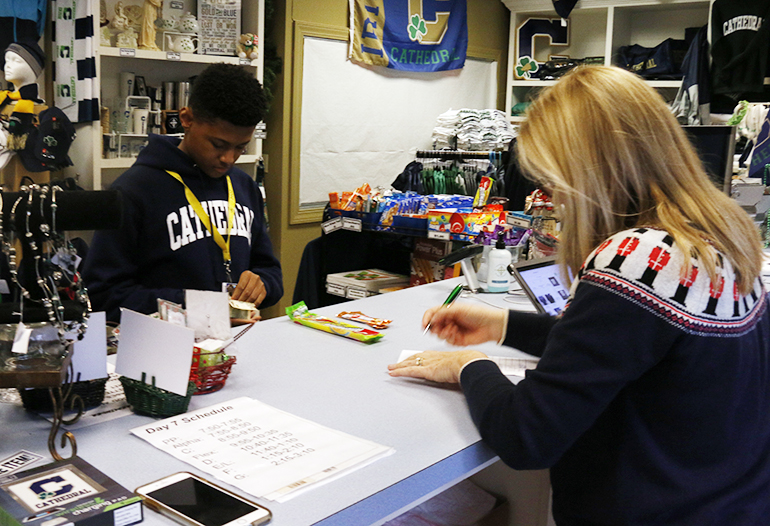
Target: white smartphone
{"points": [[194, 501]]}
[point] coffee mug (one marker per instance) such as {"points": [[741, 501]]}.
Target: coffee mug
{"points": [[126, 88], [171, 123], [139, 117]]}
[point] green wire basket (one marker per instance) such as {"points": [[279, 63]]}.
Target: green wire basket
{"points": [[146, 399]]}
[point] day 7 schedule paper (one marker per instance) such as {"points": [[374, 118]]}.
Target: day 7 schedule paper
{"points": [[259, 449]]}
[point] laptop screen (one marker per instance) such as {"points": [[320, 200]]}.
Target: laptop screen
{"points": [[542, 282]]}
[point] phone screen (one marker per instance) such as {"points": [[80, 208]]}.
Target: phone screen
{"points": [[201, 502]]}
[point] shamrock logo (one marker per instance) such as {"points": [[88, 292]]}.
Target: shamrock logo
{"points": [[50, 140], [526, 67], [417, 28]]}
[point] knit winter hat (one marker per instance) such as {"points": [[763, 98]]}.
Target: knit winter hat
{"points": [[31, 53]]}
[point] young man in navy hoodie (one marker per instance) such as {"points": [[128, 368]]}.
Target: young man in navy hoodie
{"points": [[191, 220]]}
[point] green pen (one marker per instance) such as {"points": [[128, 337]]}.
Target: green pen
{"points": [[448, 302]]}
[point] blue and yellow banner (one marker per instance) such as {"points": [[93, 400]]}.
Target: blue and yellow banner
{"points": [[409, 35]]}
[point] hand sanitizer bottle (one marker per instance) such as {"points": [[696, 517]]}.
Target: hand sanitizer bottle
{"points": [[499, 279]]}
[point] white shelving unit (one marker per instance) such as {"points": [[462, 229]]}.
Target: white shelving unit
{"points": [[156, 67], [598, 28]]}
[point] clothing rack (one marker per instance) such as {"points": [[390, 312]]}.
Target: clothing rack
{"points": [[453, 154]]}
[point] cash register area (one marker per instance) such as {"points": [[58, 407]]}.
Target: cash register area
{"points": [[412, 439]]}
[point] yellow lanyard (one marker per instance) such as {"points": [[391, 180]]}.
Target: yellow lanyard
{"points": [[206, 220]]}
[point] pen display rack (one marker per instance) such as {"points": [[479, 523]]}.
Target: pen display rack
{"points": [[209, 370], [146, 399]]}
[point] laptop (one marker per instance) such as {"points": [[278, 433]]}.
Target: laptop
{"points": [[541, 280]]}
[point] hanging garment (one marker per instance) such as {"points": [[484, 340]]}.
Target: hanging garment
{"points": [[740, 43], [20, 20], [760, 155], [74, 66], [564, 7], [517, 185], [692, 102]]}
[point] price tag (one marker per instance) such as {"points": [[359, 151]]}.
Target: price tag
{"points": [[438, 235], [356, 294], [127, 52], [331, 225], [172, 55], [518, 221], [337, 290], [244, 61], [21, 340], [352, 224]]}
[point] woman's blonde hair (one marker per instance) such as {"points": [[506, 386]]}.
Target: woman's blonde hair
{"points": [[608, 148]]}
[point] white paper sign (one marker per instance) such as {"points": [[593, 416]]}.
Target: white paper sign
{"points": [[208, 314], [509, 366], [259, 449], [22, 459], [158, 348], [89, 355]]}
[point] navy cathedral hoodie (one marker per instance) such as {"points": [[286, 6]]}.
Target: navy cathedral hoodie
{"points": [[162, 248]]}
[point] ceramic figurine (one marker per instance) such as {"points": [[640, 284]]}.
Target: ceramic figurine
{"points": [[182, 43], [167, 24], [120, 22], [127, 38], [188, 24], [105, 36], [103, 13], [147, 36]]}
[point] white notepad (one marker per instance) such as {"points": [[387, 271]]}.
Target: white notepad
{"points": [[508, 366]]}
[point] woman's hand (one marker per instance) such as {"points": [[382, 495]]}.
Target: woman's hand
{"points": [[465, 324], [436, 366]]}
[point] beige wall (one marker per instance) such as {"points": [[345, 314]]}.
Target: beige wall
{"points": [[487, 29]]}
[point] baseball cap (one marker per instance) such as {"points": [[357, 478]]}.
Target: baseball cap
{"points": [[49, 144]]}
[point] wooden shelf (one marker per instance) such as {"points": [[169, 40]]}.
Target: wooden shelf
{"points": [[665, 83], [599, 28], [169, 56], [533, 83]]}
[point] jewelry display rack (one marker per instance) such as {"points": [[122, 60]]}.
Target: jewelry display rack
{"points": [[47, 290]]}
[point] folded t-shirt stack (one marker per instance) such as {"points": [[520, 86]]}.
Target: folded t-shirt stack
{"points": [[474, 129]]}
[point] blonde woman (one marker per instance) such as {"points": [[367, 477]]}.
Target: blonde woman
{"points": [[651, 401]]}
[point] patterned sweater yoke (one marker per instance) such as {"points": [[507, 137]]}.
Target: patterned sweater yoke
{"points": [[646, 267]]}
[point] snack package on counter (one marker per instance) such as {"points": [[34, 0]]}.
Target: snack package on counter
{"points": [[482, 193], [355, 200], [347, 198], [298, 313], [376, 323]]}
